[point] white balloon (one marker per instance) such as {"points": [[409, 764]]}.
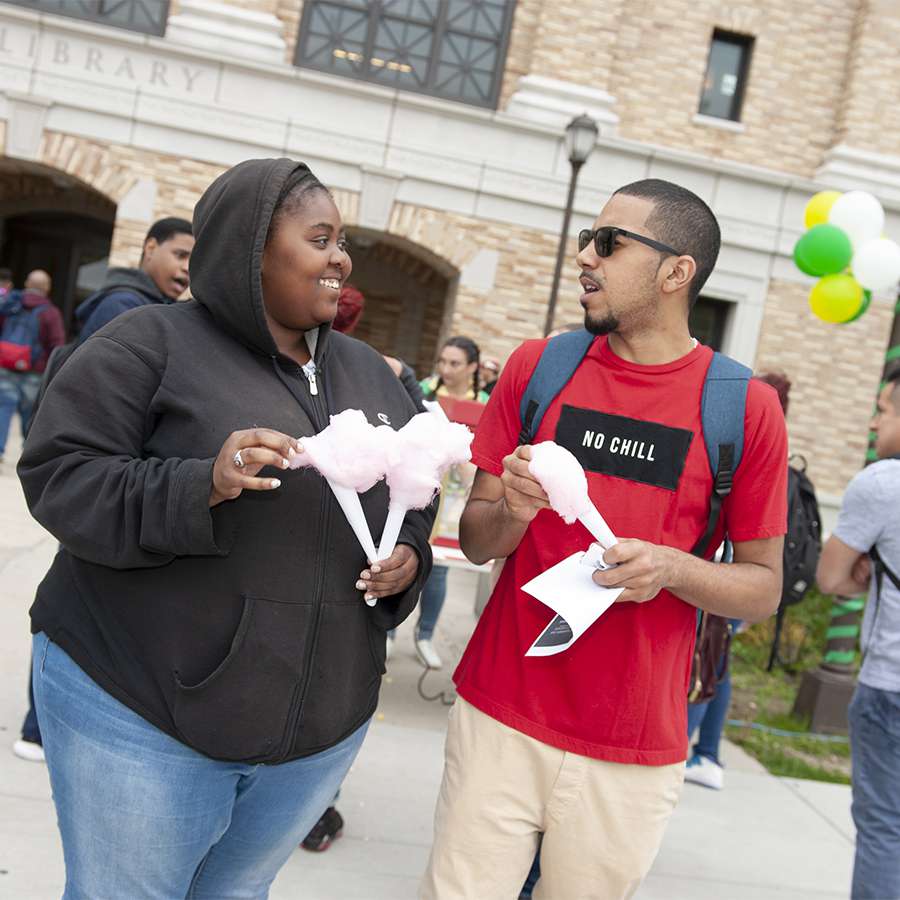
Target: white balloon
{"points": [[876, 265], [860, 215]]}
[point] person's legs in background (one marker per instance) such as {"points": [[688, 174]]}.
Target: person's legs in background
{"points": [[704, 766], [29, 388], [9, 402], [433, 595], [874, 717], [30, 746]]}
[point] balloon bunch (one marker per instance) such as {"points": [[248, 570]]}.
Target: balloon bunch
{"points": [[844, 248]]}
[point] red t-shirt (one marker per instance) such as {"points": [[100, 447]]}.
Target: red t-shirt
{"points": [[620, 692]]}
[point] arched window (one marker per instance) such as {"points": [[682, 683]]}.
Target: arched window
{"points": [[453, 49]]}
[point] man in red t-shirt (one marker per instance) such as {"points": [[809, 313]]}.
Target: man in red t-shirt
{"points": [[587, 746]]}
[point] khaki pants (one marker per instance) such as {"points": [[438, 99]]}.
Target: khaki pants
{"points": [[602, 822]]}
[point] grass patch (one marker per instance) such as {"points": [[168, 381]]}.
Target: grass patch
{"points": [[768, 697]]}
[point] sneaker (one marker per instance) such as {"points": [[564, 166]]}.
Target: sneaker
{"points": [[428, 656], [702, 770], [329, 828], [30, 750]]}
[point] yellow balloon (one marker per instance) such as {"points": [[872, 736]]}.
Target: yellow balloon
{"points": [[836, 298], [819, 206]]}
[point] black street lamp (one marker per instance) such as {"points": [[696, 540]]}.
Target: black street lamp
{"points": [[581, 135]]}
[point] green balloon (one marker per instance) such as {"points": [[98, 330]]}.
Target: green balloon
{"points": [[867, 299], [823, 250]]}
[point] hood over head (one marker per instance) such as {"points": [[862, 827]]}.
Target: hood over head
{"points": [[231, 221]]}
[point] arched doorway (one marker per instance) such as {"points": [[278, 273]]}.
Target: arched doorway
{"points": [[51, 220], [409, 295]]}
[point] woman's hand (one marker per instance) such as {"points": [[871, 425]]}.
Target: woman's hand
{"points": [[389, 576], [242, 455]]}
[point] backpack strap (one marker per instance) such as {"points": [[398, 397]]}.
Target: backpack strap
{"points": [[560, 358], [722, 408]]}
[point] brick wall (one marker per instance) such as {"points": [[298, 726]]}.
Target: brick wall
{"points": [[834, 371], [113, 170], [870, 113], [651, 56]]}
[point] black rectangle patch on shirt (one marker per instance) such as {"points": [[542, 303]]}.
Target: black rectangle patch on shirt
{"points": [[646, 452]]}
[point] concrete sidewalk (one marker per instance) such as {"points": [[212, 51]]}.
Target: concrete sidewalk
{"points": [[760, 838]]}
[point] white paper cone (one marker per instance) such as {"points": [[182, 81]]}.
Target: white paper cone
{"points": [[349, 501], [352, 508], [597, 526], [393, 524]]}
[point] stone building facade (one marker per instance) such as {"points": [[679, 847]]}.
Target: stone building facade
{"points": [[455, 208]]}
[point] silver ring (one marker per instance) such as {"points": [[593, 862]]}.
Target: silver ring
{"points": [[238, 460]]}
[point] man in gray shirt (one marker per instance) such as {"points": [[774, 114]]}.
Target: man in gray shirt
{"points": [[869, 525]]}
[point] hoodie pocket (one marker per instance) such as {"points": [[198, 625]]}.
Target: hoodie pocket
{"points": [[240, 710], [345, 677]]}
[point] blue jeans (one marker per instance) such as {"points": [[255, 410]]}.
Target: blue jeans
{"points": [[433, 595], [710, 718], [874, 717], [18, 391], [143, 816]]}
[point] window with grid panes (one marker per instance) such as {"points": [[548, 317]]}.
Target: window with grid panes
{"points": [[453, 49], [147, 16]]}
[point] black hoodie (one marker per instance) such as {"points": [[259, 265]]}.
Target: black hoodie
{"points": [[238, 629], [122, 289]]}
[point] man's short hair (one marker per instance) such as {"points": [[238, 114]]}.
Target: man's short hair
{"points": [[167, 228], [6, 274], [684, 222]]}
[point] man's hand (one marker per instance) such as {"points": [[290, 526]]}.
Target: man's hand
{"points": [[522, 493], [642, 568], [389, 576]]}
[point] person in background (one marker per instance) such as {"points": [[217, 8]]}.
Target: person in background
{"points": [[704, 765], [6, 282], [864, 552], [30, 316], [162, 276], [490, 372], [457, 376]]}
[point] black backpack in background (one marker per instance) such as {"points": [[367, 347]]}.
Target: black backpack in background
{"points": [[803, 541]]}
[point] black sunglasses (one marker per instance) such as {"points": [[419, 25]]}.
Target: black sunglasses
{"points": [[605, 240]]}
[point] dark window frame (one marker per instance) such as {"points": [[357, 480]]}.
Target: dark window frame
{"points": [[439, 30], [746, 42], [720, 312], [98, 11]]}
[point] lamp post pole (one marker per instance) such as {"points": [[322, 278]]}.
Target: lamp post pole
{"points": [[581, 135], [561, 250]]}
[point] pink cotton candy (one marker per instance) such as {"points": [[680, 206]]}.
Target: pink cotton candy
{"points": [[562, 478], [423, 450], [350, 452]]}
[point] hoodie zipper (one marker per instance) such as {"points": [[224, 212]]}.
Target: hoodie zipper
{"points": [[320, 420], [309, 370]]}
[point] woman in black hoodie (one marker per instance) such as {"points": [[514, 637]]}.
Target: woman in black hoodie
{"points": [[205, 666]]}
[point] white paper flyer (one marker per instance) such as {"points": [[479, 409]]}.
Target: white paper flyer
{"points": [[570, 591]]}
